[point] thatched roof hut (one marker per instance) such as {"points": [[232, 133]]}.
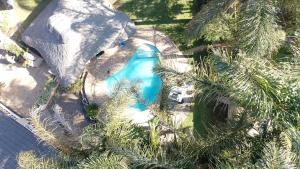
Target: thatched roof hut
{"points": [[68, 34]]}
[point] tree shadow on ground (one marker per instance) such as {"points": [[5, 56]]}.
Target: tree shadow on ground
{"points": [[152, 11]]}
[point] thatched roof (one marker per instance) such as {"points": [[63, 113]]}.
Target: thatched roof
{"points": [[68, 34]]}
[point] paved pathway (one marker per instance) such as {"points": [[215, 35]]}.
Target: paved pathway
{"points": [[14, 139]]}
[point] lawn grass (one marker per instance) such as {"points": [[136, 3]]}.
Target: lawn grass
{"points": [[169, 16]]}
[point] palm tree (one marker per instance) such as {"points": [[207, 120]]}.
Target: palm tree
{"points": [[257, 26], [250, 72], [254, 75]]}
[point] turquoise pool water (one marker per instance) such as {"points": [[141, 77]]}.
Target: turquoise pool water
{"points": [[139, 71]]}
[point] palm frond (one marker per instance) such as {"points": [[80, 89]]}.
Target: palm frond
{"points": [[295, 45], [222, 144], [293, 134], [276, 157], [245, 81], [30, 160], [51, 131], [146, 157], [208, 12], [104, 161], [42, 127], [123, 96], [93, 137], [259, 32]]}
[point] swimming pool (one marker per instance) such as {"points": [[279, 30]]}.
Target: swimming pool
{"points": [[139, 71]]}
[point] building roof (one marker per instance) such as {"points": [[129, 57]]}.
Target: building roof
{"points": [[67, 34], [14, 139]]}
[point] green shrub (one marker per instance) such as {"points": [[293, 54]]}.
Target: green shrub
{"points": [[16, 50], [92, 110]]}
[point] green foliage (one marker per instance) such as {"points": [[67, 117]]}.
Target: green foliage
{"points": [[29, 160], [251, 78], [14, 49], [202, 117], [259, 32], [276, 157], [288, 14], [295, 47], [92, 110], [293, 135], [115, 105], [50, 130], [176, 33], [93, 137], [154, 133], [168, 16], [188, 122], [165, 101], [104, 161], [42, 127], [209, 12], [247, 82], [219, 29]]}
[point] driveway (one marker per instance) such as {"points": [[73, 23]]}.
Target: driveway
{"points": [[14, 139]]}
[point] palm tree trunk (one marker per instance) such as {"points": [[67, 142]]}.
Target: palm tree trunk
{"points": [[202, 48]]}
